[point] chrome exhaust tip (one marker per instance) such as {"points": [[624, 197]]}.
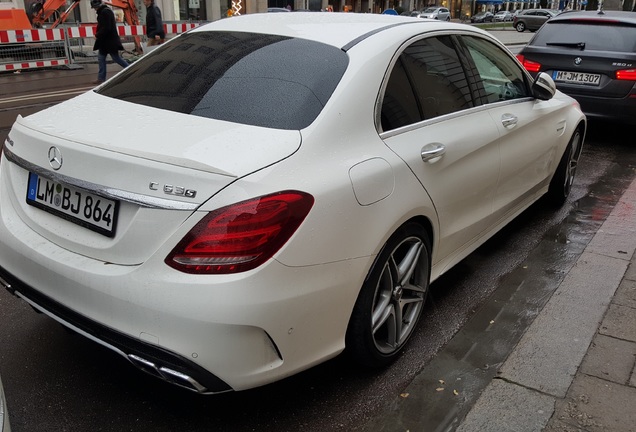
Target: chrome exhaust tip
{"points": [[167, 374]]}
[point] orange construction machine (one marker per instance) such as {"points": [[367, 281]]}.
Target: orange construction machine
{"points": [[46, 10], [49, 14]]}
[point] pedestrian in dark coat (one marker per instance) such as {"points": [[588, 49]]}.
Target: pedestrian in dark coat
{"points": [[107, 40], [154, 24]]}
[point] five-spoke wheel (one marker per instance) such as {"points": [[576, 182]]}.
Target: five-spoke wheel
{"points": [[392, 298]]}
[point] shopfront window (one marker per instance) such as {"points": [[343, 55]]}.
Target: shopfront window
{"points": [[192, 10]]}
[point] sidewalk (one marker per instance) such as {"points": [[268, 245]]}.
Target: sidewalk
{"points": [[575, 370]]}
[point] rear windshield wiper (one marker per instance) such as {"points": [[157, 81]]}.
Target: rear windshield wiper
{"points": [[579, 45]]}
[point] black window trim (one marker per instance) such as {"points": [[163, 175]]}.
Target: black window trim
{"points": [[469, 69]]}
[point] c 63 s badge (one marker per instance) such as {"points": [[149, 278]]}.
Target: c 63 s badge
{"points": [[173, 190]]}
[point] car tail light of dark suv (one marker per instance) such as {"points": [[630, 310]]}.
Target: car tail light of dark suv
{"points": [[530, 65], [241, 236], [626, 74]]}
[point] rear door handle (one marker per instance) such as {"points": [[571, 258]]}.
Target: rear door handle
{"points": [[433, 152]]}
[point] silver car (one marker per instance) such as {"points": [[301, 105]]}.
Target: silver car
{"points": [[503, 16], [438, 13], [532, 19]]}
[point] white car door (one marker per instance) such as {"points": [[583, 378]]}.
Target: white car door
{"points": [[428, 119], [529, 128]]}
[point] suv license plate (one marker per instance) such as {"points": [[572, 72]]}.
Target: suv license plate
{"points": [[577, 77], [76, 205]]}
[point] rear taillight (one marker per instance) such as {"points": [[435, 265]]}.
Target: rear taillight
{"points": [[626, 74], [241, 236], [530, 65]]}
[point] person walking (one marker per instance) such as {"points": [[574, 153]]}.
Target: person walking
{"points": [[154, 24], [107, 40]]}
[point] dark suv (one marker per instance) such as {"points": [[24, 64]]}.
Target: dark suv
{"points": [[532, 19], [591, 56]]}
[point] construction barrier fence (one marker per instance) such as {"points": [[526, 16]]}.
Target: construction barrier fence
{"points": [[66, 46]]}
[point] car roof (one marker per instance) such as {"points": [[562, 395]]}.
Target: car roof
{"points": [[337, 29], [622, 16], [540, 9]]}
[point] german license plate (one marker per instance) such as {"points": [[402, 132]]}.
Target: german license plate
{"points": [[577, 77], [76, 205]]}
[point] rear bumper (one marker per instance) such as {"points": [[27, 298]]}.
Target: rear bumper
{"points": [[152, 359], [613, 110]]}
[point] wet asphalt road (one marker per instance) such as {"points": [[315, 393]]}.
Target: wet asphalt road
{"points": [[57, 381]]}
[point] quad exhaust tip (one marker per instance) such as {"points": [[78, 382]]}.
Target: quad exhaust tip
{"points": [[167, 374]]}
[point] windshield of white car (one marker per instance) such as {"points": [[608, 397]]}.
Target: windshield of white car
{"points": [[255, 79]]}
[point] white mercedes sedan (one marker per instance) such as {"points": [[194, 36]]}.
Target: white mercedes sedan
{"points": [[265, 192]]}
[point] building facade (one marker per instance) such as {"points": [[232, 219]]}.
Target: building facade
{"points": [[212, 10]]}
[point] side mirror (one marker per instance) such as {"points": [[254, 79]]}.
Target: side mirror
{"points": [[543, 86]]}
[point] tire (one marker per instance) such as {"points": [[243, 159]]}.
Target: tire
{"points": [[392, 298], [520, 26], [561, 184]]}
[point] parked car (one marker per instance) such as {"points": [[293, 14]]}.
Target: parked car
{"points": [[482, 17], [591, 57], [438, 13], [286, 192], [532, 19], [278, 9], [4, 412], [503, 16]]}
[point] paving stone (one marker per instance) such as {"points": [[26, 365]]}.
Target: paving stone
{"points": [[620, 322], [598, 406], [617, 236], [626, 293], [504, 406], [610, 359], [550, 352]]}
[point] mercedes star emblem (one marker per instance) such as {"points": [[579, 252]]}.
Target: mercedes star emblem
{"points": [[55, 158]]}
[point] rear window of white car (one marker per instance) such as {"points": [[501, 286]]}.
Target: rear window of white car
{"points": [[592, 35], [255, 79]]}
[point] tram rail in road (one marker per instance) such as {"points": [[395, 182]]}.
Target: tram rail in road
{"points": [[32, 98]]}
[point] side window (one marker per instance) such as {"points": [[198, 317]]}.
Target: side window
{"points": [[436, 82], [500, 78], [399, 107]]}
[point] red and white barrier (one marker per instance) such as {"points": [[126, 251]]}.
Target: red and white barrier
{"points": [[31, 65], [31, 35], [138, 30], [179, 28], [89, 31]]}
